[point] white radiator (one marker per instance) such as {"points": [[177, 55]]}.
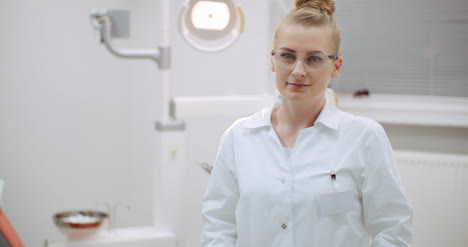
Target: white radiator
{"points": [[437, 186]]}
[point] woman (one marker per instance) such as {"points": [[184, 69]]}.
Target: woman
{"points": [[301, 172]]}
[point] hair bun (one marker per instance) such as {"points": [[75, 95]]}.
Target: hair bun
{"points": [[325, 6]]}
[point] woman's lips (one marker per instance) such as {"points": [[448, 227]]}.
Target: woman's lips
{"points": [[297, 85]]}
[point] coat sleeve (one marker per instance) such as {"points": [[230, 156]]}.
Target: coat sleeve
{"points": [[220, 200], [387, 212]]}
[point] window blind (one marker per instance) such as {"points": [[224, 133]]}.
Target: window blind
{"points": [[415, 47]]}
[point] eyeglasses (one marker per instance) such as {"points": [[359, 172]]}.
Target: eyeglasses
{"points": [[311, 60]]}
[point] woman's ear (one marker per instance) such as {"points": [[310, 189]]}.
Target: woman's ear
{"points": [[337, 67]]}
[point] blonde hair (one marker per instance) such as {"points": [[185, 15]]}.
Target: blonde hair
{"points": [[314, 13]]}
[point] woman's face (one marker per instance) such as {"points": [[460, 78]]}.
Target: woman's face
{"points": [[303, 82]]}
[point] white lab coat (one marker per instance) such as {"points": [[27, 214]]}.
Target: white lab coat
{"points": [[339, 187]]}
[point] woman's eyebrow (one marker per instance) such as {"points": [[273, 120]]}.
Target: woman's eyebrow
{"points": [[309, 52], [314, 52], [287, 49]]}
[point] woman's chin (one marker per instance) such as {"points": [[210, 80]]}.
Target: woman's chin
{"points": [[300, 97], [296, 97]]}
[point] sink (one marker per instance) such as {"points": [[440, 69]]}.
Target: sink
{"points": [[125, 237]]}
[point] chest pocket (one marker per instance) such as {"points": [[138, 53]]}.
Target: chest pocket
{"points": [[343, 195], [335, 203], [346, 179]]}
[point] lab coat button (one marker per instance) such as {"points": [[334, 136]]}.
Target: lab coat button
{"points": [[283, 180], [284, 226]]}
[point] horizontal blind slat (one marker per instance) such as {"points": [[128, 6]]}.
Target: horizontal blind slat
{"points": [[417, 47]]}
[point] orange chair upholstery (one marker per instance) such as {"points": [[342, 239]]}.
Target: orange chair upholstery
{"points": [[8, 235]]}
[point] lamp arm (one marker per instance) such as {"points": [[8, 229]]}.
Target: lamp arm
{"points": [[103, 23]]}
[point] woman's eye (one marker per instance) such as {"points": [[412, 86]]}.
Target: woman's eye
{"points": [[315, 59], [288, 56]]}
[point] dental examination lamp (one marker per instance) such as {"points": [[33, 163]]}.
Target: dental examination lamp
{"points": [[211, 26]]}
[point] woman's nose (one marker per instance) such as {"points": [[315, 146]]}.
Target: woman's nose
{"points": [[299, 69]]}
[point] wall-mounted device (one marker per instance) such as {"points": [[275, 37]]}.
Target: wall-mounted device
{"points": [[211, 25], [114, 23]]}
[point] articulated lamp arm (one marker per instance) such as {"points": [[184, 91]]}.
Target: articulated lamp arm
{"points": [[102, 22]]}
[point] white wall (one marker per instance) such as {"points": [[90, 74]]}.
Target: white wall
{"points": [[75, 129], [72, 129], [429, 139], [76, 125]]}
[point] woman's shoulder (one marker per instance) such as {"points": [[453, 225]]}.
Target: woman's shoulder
{"points": [[258, 119], [352, 122], [238, 125], [238, 128], [362, 131]]}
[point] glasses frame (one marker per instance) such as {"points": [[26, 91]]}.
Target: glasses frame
{"points": [[332, 57]]}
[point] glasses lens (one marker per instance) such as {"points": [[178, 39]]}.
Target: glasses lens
{"points": [[315, 60], [287, 59]]}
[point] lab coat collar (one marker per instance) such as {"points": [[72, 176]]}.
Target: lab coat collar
{"points": [[330, 117]]}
